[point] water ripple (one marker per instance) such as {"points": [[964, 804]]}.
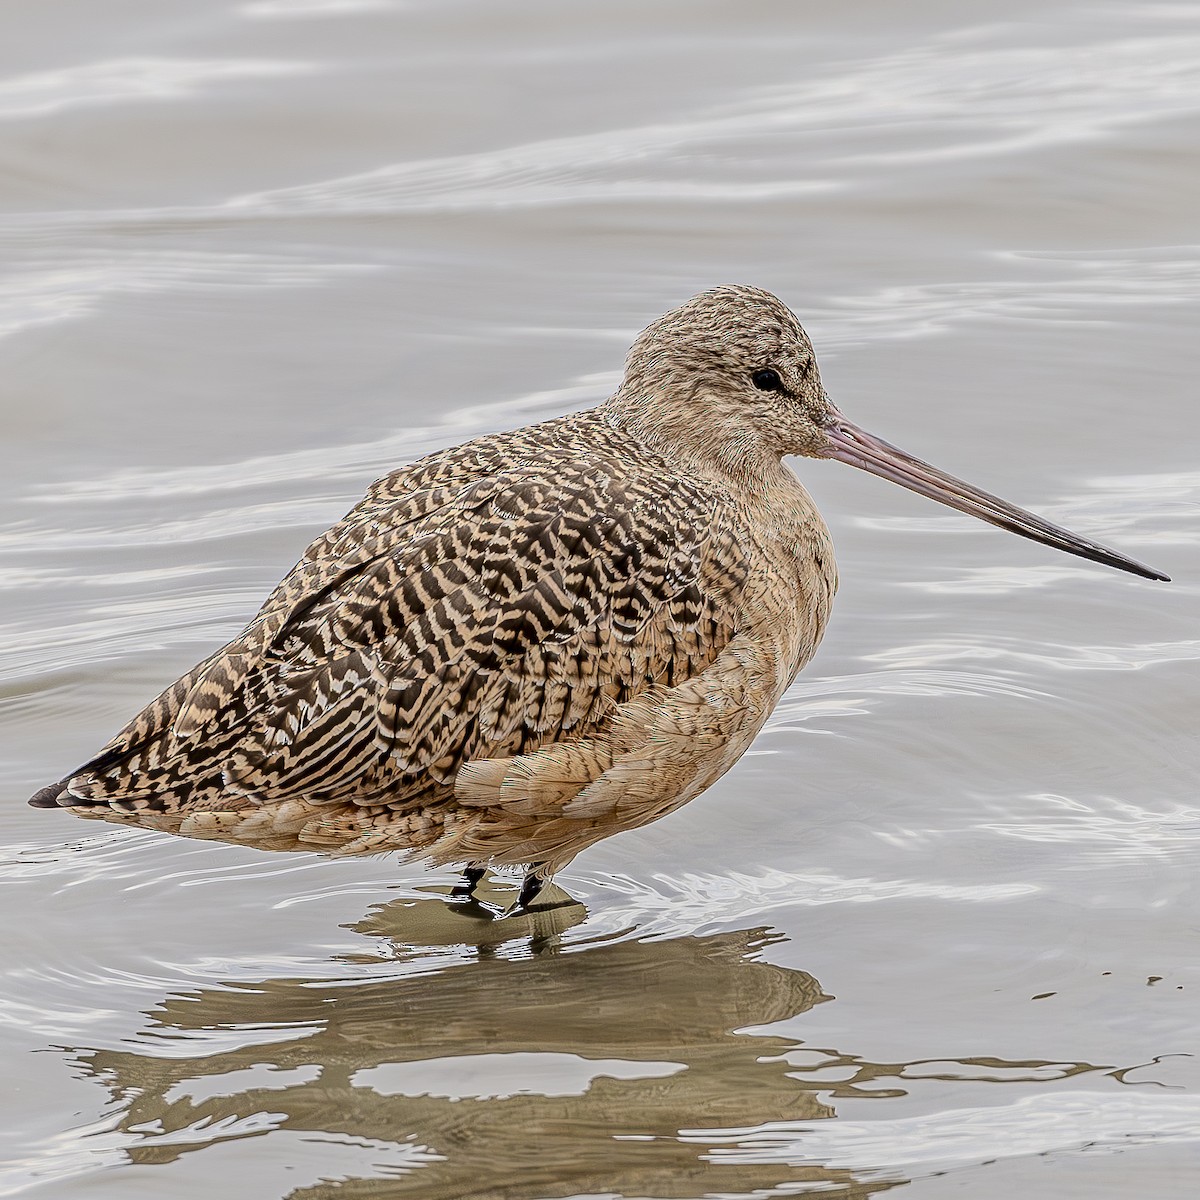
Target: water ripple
{"points": [[120, 80], [1101, 828], [1021, 98], [286, 10], [693, 902], [842, 695], [1130, 657], [1081, 291], [40, 288], [331, 462], [557, 171], [34, 652], [1041, 1123]]}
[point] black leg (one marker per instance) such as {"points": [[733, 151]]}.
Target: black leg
{"points": [[529, 890], [470, 881]]}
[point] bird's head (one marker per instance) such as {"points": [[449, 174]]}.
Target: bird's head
{"points": [[728, 383], [730, 375]]}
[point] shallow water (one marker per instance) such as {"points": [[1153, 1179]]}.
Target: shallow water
{"points": [[939, 928]]}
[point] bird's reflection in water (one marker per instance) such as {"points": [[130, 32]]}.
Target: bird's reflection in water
{"points": [[612, 1048]]}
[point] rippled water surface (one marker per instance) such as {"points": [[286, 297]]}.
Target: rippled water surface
{"points": [[939, 929]]}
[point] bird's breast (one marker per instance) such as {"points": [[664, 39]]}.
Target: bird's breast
{"points": [[792, 576]]}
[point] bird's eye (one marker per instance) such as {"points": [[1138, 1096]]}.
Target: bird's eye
{"points": [[767, 380]]}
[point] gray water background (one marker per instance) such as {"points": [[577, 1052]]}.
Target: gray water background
{"points": [[939, 929]]}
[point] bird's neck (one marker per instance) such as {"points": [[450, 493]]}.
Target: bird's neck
{"points": [[720, 448]]}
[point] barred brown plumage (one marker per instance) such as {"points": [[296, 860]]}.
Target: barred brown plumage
{"points": [[518, 646]]}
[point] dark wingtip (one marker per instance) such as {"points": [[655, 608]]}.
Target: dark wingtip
{"points": [[48, 797]]}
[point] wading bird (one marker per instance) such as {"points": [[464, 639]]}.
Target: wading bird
{"points": [[518, 646]]}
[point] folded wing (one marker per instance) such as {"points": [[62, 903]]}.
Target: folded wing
{"points": [[459, 614]]}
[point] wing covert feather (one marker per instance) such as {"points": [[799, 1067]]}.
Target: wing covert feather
{"points": [[475, 616]]}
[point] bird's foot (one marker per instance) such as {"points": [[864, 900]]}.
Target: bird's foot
{"points": [[531, 886], [470, 881], [463, 893]]}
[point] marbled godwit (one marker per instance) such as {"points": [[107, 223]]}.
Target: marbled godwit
{"points": [[518, 646]]}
